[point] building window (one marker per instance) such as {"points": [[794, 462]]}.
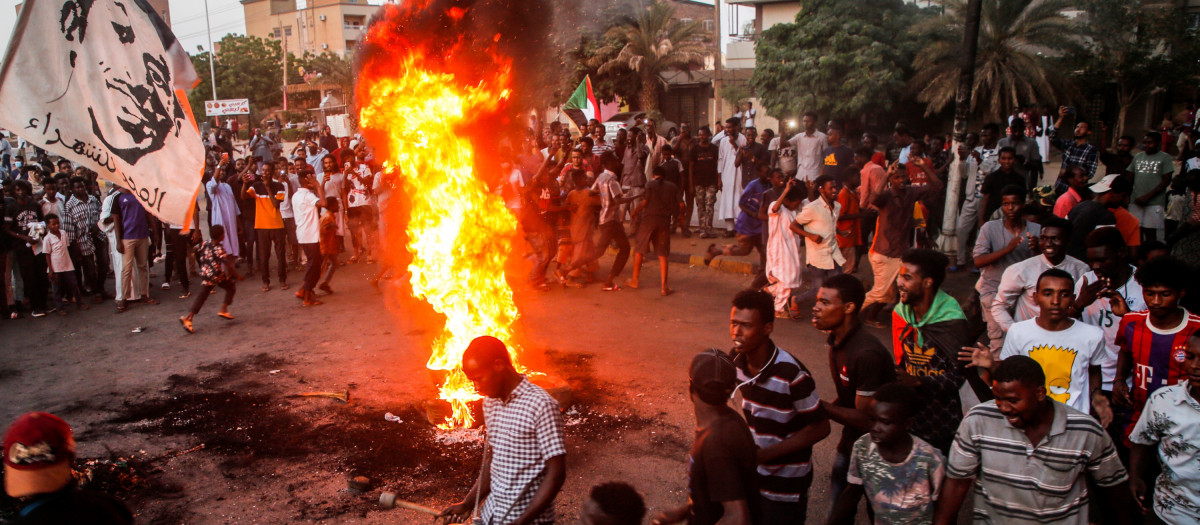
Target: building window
{"points": [[710, 25], [277, 33], [287, 31]]}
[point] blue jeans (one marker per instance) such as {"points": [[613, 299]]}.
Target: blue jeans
{"points": [[818, 276]]}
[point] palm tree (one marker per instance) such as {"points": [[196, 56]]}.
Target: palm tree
{"points": [[652, 41], [1011, 67]]}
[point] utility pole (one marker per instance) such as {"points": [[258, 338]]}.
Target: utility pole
{"points": [[947, 240], [717, 64], [285, 55], [212, 52]]}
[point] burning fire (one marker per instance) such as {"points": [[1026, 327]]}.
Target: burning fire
{"points": [[414, 106]]}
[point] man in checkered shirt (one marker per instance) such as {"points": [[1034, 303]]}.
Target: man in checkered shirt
{"points": [[526, 460]]}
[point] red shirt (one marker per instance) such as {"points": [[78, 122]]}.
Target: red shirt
{"points": [[1157, 354], [849, 201]]}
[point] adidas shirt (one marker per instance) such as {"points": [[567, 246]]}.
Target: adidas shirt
{"points": [[1064, 355]]}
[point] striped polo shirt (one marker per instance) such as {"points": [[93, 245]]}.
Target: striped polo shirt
{"points": [[1019, 482], [778, 402]]}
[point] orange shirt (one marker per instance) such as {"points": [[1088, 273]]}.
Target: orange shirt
{"points": [[1130, 227], [849, 201]]}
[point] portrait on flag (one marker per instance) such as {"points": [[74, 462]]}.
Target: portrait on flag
{"points": [[101, 82]]}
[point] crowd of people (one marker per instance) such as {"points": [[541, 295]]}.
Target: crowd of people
{"points": [[1065, 388], [265, 211]]}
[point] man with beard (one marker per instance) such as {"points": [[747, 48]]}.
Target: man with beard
{"points": [[928, 329], [858, 362], [782, 408], [1031, 456]]}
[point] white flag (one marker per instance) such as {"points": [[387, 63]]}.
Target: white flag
{"points": [[101, 82]]}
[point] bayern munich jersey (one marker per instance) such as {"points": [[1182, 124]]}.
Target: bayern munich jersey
{"points": [[1157, 353]]}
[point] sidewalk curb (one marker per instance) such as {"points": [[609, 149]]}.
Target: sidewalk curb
{"points": [[718, 264]]}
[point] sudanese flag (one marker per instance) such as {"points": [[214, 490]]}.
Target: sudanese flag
{"points": [[582, 106]]}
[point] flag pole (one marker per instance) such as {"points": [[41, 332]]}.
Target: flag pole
{"points": [[212, 52]]}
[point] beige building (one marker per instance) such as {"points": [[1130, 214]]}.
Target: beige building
{"points": [[322, 25]]}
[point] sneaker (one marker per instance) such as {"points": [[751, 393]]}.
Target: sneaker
{"points": [[166, 286]]}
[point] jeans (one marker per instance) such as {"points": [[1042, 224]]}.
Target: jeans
{"points": [[312, 272], [136, 257], [176, 263], [206, 289], [787, 512], [293, 246], [85, 269], [267, 238], [33, 276], [818, 276], [65, 284], [247, 238], [610, 233]]}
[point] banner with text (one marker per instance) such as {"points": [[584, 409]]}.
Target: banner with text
{"points": [[102, 84], [233, 106]]}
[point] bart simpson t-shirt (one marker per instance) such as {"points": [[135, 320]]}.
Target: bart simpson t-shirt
{"points": [[1064, 355]]}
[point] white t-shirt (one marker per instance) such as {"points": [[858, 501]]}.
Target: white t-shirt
{"points": [[808, 154], [360, 184], [1100, 314], [56, 246], [1064, 355], [308, 222]]}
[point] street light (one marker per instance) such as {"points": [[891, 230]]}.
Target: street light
{"points": [[212, 52]]}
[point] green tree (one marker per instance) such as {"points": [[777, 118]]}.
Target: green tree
{"points": [[653, 41], [246, 67], [839, 58], [1012, 66], [333, 69], [592, 52], [1133, 50]]}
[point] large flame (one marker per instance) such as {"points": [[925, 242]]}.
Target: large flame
{"points": [[459, 234]]}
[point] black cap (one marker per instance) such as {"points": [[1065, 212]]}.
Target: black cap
{"points": [[713, 376]]}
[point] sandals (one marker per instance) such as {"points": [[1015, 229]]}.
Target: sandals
{"points": [[266, 287], [149, 300], [283, 286], [122, 306], [225, 315], [187, 325], [610, 288]]}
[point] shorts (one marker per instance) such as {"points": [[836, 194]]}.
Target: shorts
{"points": [[364, 213], [1152, 216], [656, 231]]}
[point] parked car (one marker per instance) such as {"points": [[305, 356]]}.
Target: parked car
{"points": [[630, 119]]}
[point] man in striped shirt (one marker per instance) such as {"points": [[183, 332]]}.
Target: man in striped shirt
{"points": [[782, 408], [1027, 456]]}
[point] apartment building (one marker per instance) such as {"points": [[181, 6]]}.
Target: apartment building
{"points": [[320, 26]]}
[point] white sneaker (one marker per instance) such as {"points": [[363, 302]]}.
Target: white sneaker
{"points": [[166, 286]]}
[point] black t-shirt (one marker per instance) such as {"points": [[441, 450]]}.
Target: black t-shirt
{"points": [[838, 159], [673, 171], [1085, 217], [993, 187], [760, 156], [1116, 162], [721, 468], [17, 218], [74, 506], [704, 164], [859, 364], [662, 199]]}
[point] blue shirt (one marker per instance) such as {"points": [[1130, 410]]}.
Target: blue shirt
{"points": [[749, 224], [133, 217]]}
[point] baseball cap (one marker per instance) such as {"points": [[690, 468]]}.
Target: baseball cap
{"points": [[38, 451], [1111, 182], [1045, 195], [713, 376]]}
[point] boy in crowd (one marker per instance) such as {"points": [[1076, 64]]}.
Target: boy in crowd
{"points": [[583, 204], [1150, 341], [817, 223], [613, 503], [722, 483], [1070, 352], [217, 270], [662, 202], [611, 230], [1018, 284], [1170, 426], [1032, 457], [901, 473], [849, 225], [58, 261], [1000, 244], [783, 249], [858, 362], [20, 213], [786, 422], [330, 242], [928, 330]]}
